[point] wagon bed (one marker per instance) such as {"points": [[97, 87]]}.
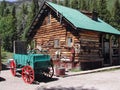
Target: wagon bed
{"points": [[30, 64]]}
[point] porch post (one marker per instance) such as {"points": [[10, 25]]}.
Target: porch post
{"points": [[111, 49], [0, 57], [103, 48], [119, 48]]}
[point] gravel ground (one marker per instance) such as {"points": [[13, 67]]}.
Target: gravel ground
{"points": [[109, 80]]}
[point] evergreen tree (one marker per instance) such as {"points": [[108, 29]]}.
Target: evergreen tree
{"points": [[74, 4], [14, 11], [66, 3], [61, 2], [7, 32], [103, 9], [3, 7], [79, 4], [24, 9], [84, 6], [94, 5], [14, 22], [6, 12], [104, 14], [35, 7], [54, 1], [117, 14], [31, 14]]}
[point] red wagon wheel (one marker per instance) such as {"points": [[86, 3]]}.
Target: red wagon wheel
{"points": [[49, 72], [13, 67], [28, 74]]}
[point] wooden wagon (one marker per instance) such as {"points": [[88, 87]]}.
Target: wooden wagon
{"points": [[30, 64]]}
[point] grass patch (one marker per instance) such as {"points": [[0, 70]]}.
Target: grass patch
{"points": [[5, 56], [75, 70]]}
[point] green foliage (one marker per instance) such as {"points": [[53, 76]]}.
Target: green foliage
{"points": [[3, 6], [94, 5], [66, 3], [54, 1], [7, 31], [74, 4], [103, 9], [31, 14], [8, 28], [5, 56], [117, 14]]}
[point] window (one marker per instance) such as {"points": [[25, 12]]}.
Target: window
{"points": [[56, 43], [69, 42]]}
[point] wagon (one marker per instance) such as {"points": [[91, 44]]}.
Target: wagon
{"points": [[30, 64]]}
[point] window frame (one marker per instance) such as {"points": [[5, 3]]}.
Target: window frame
{"points": [[56, 43], [69, 44]]}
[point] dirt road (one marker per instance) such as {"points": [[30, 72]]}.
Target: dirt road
{"points": [[109, 80]]}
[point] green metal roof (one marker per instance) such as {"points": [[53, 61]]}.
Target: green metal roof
{"points": [[80, 20]]}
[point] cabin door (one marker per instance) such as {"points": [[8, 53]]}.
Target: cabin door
{"points": [[106, 49]]}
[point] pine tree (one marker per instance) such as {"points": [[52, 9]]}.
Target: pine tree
{"points": [[117, 14], [94, 5], [3, 7], [54, 1], [14, 11], [66, 3], [80, 4], [14, 23], [7, 30], [61, 2], [104, 14], [35, 7], [74, 4], [6, 12], [84, 6]]}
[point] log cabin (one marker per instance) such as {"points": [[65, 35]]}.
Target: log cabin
{"points": [[75, 39]]}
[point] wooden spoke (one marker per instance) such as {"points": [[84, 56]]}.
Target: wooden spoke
{"points": [[49, 72], [13, 67], [28, 74]]}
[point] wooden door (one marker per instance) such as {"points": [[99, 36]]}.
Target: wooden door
{"points": [[106, 50]]}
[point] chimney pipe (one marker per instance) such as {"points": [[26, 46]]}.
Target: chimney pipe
{"points": [[95, 15]]}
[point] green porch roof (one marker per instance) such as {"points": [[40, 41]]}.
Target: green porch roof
{"points": [[79, 20]]}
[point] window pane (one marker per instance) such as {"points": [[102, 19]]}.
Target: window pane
{"points": [[69, 41], [56, 43]]}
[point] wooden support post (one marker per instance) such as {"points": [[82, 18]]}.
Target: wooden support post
{"points": [[14, 47], [102, 48], [119, 48], [0, 57], [111, 49]]}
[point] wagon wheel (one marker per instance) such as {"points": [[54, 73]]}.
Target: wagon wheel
{"points": [[49, 72], [28, 74], [13, 67]]}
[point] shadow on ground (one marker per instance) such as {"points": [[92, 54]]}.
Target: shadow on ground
{"points": [[64, 88], [44, 79], [4, 67], [2, 79]]}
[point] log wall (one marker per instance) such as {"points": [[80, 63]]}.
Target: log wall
{"points": [[86, 43]]}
